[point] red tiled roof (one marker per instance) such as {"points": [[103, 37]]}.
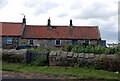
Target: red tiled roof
{"points": [[57, 32], [10, 29], [62, 32]]}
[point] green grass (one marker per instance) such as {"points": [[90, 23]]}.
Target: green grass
{"points": [[66, 72]]}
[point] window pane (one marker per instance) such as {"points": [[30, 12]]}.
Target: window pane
{"points": [[30, 41], [86, 41], [57, 42], [9, 40], [74, 42]]}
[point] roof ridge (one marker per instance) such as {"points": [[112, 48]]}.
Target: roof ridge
{"points": [[60, 26], [12, 22]]}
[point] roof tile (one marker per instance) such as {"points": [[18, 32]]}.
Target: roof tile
{"points": [[11, 29], [62, 32]]}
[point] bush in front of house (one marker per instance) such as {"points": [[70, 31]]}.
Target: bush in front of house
{"points": [[70, 47], [96, 49], [118, 53], [89, 49], [112, 50]]}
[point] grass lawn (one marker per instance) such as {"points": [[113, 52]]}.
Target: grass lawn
{"points": [[66, 72]]}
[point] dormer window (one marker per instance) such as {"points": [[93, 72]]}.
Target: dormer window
{"points": [[57, 42]]}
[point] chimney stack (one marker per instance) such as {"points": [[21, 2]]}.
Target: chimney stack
{"points": [[24, 20], [71, 22], [49, 22]]}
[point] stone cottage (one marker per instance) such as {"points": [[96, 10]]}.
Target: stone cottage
{"points": [[47, 36]]}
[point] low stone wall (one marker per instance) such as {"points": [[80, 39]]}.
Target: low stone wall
{"points": [[60, 58], [68, 58], [104, 61], [14, 56], [28, 56]]}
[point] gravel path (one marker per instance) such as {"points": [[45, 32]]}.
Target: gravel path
{"points": [[18, 75]]}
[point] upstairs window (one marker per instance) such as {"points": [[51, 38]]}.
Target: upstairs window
{"points": [[57, 42], [31, 42], [9, 41], [74, 42]]}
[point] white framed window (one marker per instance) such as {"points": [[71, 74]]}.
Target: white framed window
{"points": [[9, 41], [57, 42]]}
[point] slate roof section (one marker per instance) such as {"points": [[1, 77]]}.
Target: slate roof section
{"points": [[61, 32], [10, 29]]}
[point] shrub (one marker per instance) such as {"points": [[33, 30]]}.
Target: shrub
{"points": [[92, 49], [118, 53], [99, 50], [75, 49], [70, 47], [112, 50]]}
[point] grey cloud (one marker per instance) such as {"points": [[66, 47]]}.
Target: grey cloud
{"points": [[119, 31], [95, 10], [3, 3], [77, 5], [119, 35], [107, 29], [41, 6], [62, 15], [109, 35]]}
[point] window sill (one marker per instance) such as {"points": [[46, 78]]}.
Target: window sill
{"points": [[57, 45], [8, 44]]}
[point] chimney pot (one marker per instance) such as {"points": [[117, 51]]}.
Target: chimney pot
{"points": [[24, 20], [49, 22], [71, 22]]}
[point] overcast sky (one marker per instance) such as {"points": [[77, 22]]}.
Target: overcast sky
{"points": [[102, 13]]}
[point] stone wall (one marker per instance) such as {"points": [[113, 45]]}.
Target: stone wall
{"points": [[10, 46], [59, 58], [69, 58], [41, 43], [13, 56], [107, 62], [50, 43]]}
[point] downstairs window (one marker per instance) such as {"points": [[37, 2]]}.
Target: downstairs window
{"points": [[57, 42]]}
